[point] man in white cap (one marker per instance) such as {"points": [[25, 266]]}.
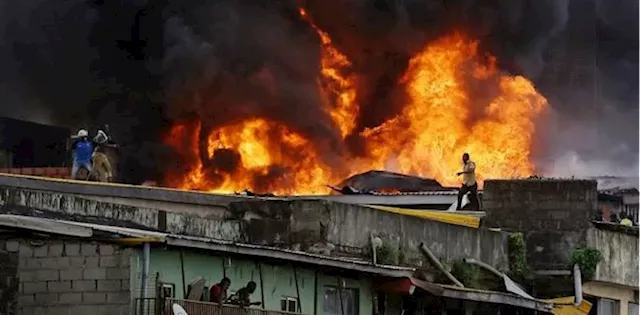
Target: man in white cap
{"points": [[82, 150]]}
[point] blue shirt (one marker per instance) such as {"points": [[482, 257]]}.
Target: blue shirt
{"points": [[82, 151]]}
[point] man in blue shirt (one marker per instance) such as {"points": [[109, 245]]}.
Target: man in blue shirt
{"points": [[82, 150]]}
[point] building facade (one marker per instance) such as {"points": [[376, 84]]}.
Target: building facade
{"points": [[281, 286]]}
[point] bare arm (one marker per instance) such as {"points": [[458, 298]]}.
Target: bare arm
{"points": [[468, 170]]}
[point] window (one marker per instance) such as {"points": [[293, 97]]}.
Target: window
{"points": [[289, 304], [167, 290], [340, 301], [633, 309], [607, 307]]}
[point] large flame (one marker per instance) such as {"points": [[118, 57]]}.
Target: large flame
{"points": [[338, 89], [437, 127], [457, 101]]}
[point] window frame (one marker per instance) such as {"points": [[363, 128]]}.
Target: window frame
{"points": [[341, 292], [165, 285], [287, 300], [616, 306]]}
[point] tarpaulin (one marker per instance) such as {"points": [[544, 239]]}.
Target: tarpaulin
{"points": [[565, 306], [435, 215]]}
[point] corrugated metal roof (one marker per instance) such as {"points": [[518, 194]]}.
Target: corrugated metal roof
{"points": [[87, 230], [288, 254], [480, 295], [421, 193]]}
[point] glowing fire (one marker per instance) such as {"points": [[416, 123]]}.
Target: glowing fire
{"points": [[457, 101], [339, 89], [436, 126]]}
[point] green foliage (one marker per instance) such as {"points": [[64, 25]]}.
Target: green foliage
{"points": [[466, 273], [518, 255], [385, 254], [587, 258]]}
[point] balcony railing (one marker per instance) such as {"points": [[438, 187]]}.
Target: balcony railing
{"points": [[155, 306]]}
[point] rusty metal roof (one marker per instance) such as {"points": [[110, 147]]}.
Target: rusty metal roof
{"points": [[420, 193], [376, 181], [128, 235]]}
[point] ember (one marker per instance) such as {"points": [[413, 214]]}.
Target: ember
{"points": [[456, 101]]}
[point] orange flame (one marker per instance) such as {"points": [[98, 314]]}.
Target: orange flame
{"points": [[457, 102], [436, 127], [338, 88]]}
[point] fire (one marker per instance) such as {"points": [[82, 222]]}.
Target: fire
{"points": [[338, 88], [258, 154], [436, 126], [456, 101]]}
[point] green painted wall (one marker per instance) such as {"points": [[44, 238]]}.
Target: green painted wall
{"points": [[278, 280]]}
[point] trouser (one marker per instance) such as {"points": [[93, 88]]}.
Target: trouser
{"points": [[101, 167], [76, 167], [473, 196]]}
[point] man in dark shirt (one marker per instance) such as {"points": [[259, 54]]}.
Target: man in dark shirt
{"points": [[243, 296], [218, 292]]}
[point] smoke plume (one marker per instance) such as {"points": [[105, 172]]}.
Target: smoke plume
{"points": [[140, 66]]}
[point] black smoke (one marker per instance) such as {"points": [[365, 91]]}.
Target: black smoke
{"points": [[142, 65]]}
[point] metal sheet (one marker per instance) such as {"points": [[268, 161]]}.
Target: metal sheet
{"points": [[495, 297], [158, 236], [44, 225], [288, 255]]}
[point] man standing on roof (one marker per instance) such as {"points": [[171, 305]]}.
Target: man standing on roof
{"points": [[82, 148], [101, 163], [469, 184]]}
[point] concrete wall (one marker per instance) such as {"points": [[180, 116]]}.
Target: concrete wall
{"points": [[197, 220], [68, 277], [554, 215], [278, 280], [619, 252], [303, 223], [309, 223]]}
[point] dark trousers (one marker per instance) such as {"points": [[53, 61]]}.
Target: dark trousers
{"points": [[473, 196]]}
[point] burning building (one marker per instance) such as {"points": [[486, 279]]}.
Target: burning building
{"points": [[448, 97], [289, 96]]}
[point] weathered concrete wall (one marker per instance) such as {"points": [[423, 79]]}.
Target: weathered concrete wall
{"points": [[554, 215], [351, 226], [312, 223], [619, 252], [195, 221], [68, 277]]}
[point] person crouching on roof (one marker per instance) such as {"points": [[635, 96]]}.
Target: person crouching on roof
{"points": [[101, 165], [82, 150]]}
